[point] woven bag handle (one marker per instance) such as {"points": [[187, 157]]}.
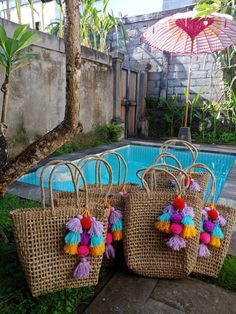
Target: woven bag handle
{"points": [[166, 154], [193, 150], [180, 189], [213, 180], [108, 167], [57, 164], [121, 162]]}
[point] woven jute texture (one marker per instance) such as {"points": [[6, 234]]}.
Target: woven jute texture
{"points": [[211, 266], [145, 248], [161, 181], [115, 199], [39, 235]]}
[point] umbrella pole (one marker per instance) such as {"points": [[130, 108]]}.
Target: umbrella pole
{"points": [[188, 88]]}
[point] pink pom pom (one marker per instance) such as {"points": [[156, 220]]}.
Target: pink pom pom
{"points": [[176, 217], [205, 237], [109, 238], [85, 238], [208, 226], [176, 228], [83, 250]]}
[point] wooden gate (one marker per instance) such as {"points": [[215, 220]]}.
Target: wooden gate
{"points": [[130, 88]]}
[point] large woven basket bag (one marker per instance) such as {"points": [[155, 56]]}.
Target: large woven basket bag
{"points": [[148, 251], [216, 232], [162, 180], [42, 241]]}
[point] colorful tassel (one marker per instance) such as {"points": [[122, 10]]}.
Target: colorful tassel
{"points": [[215, 242], [96, 240], [187, 221], [222, 221], [164, 217], [97, 250], [109, 251], [194, 187], [82, 270], [188, 211], [115, 215], [162, 226], [217, 232], [74, 224], [96, 228], [169, 209], [117, 235], [71, 249], [176, 243], [118, 225], [72, 237], [203, 251], [189, 232]]}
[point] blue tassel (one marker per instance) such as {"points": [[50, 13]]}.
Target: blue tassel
{"points": [[72, 237], [187, 221], [201, 227], [96, 240], [217, 232], [164, 217], [118, 225]]}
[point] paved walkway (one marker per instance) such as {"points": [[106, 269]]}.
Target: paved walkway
{"points": [[127, 293]]}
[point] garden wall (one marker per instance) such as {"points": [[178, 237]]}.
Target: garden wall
{"points": [[37, 92], [168, 73]]}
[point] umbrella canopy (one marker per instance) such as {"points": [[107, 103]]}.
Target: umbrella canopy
{"points": [[181, 33]]}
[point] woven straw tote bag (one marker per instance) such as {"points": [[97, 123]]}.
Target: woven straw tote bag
{"points": [[162, 180], [39, 235], [210, 263], [145, 249]]}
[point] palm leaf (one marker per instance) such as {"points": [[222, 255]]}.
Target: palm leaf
{"points": [[19, 31]]}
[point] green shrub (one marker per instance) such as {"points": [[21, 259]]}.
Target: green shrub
{"points": [[114, 131]]}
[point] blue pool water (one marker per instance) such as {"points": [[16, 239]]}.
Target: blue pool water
{"points": [[137, 157]]}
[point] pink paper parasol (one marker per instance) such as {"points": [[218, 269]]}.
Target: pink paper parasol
{"points": [[181, 33]]}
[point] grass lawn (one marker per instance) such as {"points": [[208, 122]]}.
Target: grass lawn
{"points": [[15, 296]]}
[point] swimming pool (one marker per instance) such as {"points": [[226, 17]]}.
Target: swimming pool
{"points": [[138, 156]]}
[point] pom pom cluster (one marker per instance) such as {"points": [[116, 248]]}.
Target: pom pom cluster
{"points": [[211, 232], [177, 219], [193, 185], [114, 232], [84, 238]]}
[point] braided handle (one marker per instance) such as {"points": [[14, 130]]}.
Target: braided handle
{"points": [[161, 157]]}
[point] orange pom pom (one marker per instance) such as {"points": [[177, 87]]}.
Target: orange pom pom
{"points": [[215, 242], [117, 235], [86, 223], [189, 232], [162, 226], [213, 214], [97, 250], [179, 203]]}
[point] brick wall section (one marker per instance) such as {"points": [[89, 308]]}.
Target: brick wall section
{"points": [[205, 73]]}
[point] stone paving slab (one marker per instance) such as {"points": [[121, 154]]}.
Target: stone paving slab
{"points": [[194, 297], [127, 293], [124, 294]]}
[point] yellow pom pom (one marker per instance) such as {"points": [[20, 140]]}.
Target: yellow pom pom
{"points": [[215, 242], [189, 232], [162, 226], [97, 250], [71, 249], [117, 235]]}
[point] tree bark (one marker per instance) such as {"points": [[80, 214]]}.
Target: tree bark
{"points": [[70, 126]]}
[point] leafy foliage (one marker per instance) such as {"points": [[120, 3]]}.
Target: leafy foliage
{"points": [[114, 131]]}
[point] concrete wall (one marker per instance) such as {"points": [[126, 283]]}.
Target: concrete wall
{"points": [[168, 73], [37, 92]]}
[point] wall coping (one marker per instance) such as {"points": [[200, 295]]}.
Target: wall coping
{"points": [[156, 15], [54, 43]]}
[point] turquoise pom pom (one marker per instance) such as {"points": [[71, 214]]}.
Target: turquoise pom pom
{"points": [[164, 217], [217, 232], [72, 237], [117, 226], [187, 221], [96, 240]]}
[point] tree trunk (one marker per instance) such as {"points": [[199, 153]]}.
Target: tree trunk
{"points": [[70, 126], [3, 126]]}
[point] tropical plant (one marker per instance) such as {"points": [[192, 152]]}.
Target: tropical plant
{"points": [[32, 8], [12, 57], [171, 105], [215, 109], [18, 10], [61, 16], [8, 10], [201, 115]]}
